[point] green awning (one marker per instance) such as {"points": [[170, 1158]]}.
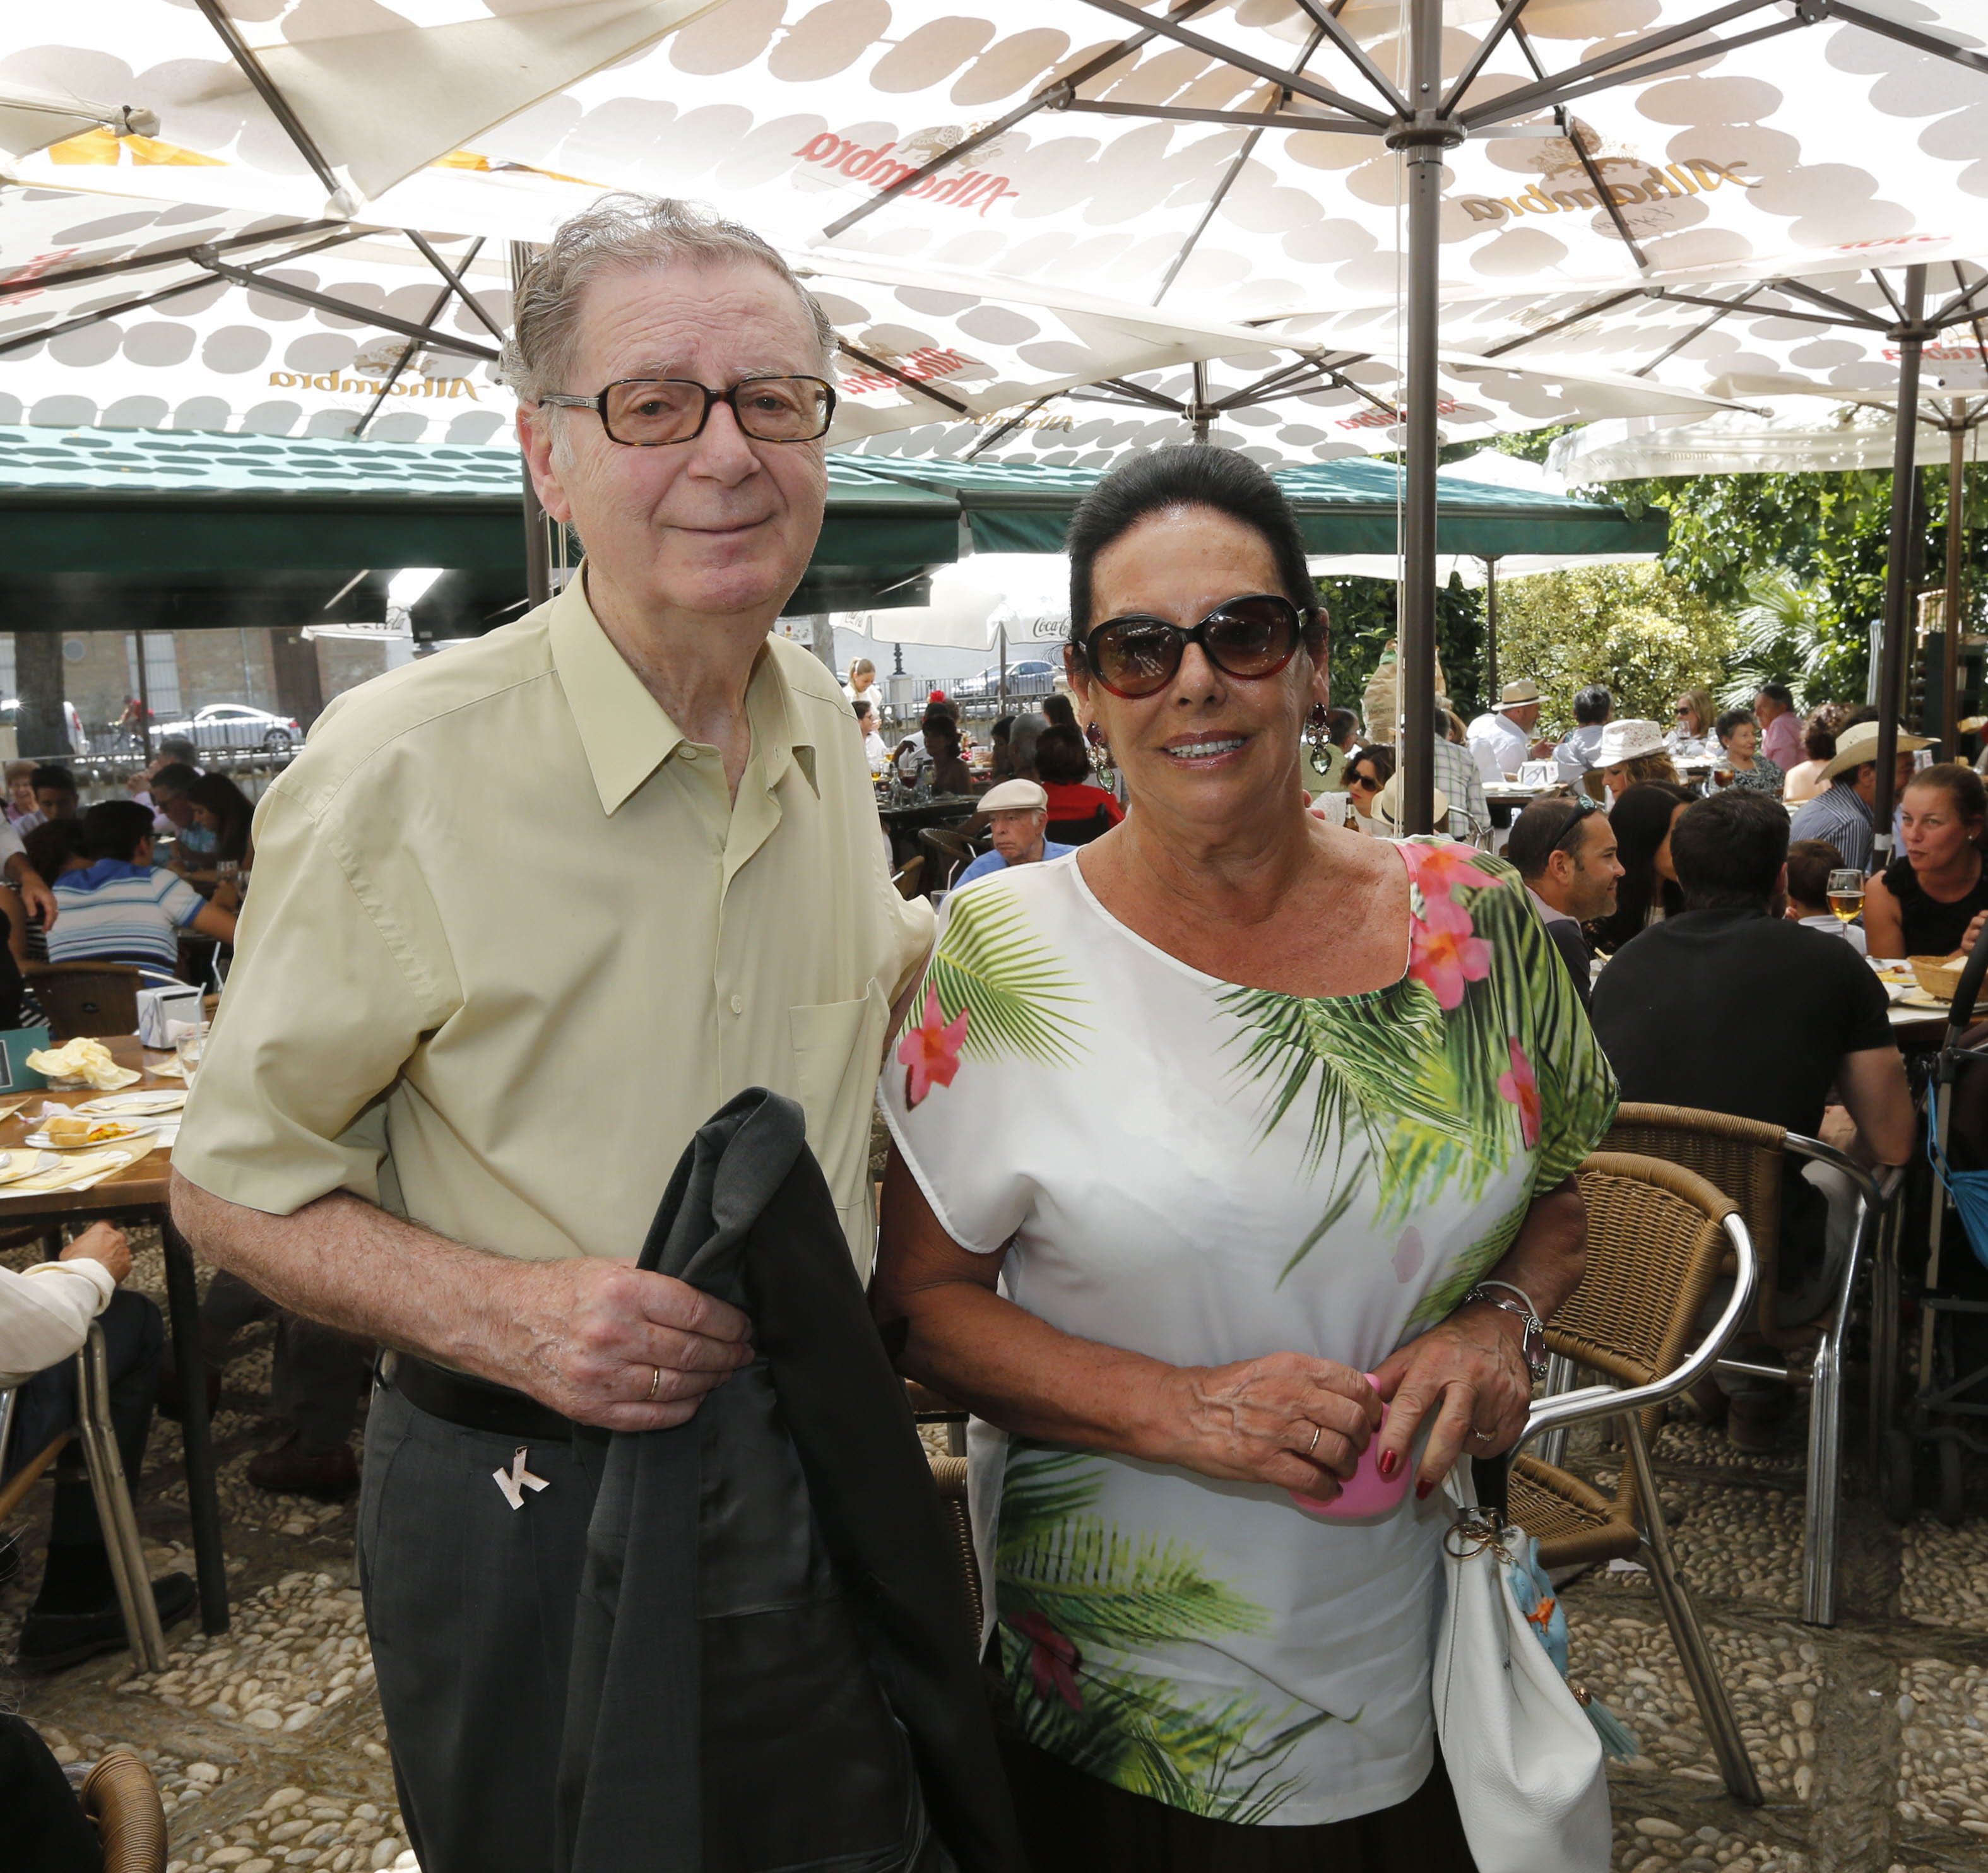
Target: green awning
{"points": [[1347, 506]]}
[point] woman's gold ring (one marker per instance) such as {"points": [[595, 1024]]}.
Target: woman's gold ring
{"points": [[1313, 1444], [655, 1384]]}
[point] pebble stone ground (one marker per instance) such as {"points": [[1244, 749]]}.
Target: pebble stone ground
{"points": [[1870, 1739]]}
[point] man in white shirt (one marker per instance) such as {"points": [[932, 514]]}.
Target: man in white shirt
{"points": [[1501, 740], [45, 1315], [874, 745]]}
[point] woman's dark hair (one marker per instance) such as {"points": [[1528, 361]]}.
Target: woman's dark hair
{"points": [[1196, 476], [1819, 733], [1593, 706], [1058, 712], [1379, 754], [1003, 725], [937, 722], [1640, 821], [111, 829], [52, 844], [1733, 719], [1060, 759], [1728, 851], [233, 808], [1961, 785]]}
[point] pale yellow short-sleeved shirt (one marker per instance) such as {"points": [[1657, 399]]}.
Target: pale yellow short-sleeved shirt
{"points": [[509, 944]]}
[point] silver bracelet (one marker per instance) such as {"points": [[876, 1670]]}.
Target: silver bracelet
{"points": [[1532, 1312], [1533, 1347]]}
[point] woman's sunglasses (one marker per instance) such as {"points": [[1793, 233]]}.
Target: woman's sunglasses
{"points": [[1252, 637], [1365, 782]]}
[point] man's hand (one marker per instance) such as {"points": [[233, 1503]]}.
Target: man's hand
{"points": [[588, 1338], [101, 1242], [35, 894]]}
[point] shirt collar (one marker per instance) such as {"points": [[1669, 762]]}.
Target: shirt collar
{"points": [[103, 872], [1549, 912], [625, 733]]}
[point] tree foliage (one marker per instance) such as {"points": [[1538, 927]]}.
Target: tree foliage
{"points": [[1645, 635]]}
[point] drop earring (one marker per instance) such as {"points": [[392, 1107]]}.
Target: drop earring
{"points": [[1100, 753], [1315, 735]]}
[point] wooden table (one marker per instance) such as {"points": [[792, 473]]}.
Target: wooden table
{"points": [[138, 1193]]}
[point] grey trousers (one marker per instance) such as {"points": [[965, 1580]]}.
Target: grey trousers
{"points": [[470, 1606]]}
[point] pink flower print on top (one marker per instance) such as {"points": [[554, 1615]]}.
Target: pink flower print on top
{"points": [[1521, 1086], [930, 1051], [1438, 869], [1054, 1657], [1408, 1256], [1444, 953]]}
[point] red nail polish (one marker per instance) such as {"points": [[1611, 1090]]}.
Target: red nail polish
{"points": [[1389, 1463], [1422, 1490]]}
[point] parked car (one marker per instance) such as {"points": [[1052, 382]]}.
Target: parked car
{"points": [[232, 725], [987, 683]]}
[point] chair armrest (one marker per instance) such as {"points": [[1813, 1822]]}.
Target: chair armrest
{"points": [[1876, 1187], [1572, 1407]]}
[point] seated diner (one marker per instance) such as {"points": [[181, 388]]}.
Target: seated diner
{"points": [[1921, 903], [115, 907]]}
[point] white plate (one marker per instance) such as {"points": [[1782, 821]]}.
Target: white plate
{"points": [[42, 1142], [133, 1105]]}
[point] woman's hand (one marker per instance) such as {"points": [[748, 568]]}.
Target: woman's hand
{"points": [[1973, 936], [1469, 1372], [1288, 1419]]}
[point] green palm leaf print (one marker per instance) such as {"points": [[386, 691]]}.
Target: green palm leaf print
{"points": [[1021, 1002]]}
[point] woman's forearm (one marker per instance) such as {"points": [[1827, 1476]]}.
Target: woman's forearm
{"points": [[1550, 1256], [1017, 1372]]}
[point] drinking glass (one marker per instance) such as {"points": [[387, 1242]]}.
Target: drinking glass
{"points": [[1846, 895], [188, 1048]]}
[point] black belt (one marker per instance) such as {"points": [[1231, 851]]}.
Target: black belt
{"points": [[476, 1405]]}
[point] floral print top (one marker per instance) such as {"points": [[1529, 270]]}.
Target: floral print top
{"points": [[1205, 1173]]}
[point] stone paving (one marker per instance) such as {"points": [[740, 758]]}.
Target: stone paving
{"points": [[1871, 1740]]}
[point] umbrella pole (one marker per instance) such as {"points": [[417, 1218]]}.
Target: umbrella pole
{"points": [[1956, 537], [1423, 139], [1001, 651], [1491, 634], [1909, 335]]}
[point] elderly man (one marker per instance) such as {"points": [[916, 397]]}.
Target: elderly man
{"points": [[1018, 814], [1565, 851], [1841, 813], [429, 1121], [1501, 740]]}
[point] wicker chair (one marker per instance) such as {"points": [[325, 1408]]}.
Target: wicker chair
{"points": [[950, 1474], [1746, 1160], [120, 1796], [947, 853], [907, 877], [1657, 1234], [92, 1000]]}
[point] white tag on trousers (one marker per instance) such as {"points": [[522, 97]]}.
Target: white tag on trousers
{"points": [[517, 1479]]}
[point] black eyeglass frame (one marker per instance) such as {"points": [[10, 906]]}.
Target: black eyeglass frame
{"points": [[598, 404], [1301, 616], [1585, 806]]}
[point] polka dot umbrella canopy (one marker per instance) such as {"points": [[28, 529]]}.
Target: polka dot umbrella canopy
{"points": [[1232, 160]]}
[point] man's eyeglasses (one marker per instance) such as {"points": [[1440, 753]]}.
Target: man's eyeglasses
{"points": [[1583, 804], [654, 412]]}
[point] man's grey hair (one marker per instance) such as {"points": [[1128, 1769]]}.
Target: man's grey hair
{"points": [[627, 233]]}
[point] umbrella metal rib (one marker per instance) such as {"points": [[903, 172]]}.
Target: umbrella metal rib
{"points": [[244, 56], [164, 256], [455, 285], [344, 309]]}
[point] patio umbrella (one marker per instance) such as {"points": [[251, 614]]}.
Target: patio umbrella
{"points": [[1283, 157]]}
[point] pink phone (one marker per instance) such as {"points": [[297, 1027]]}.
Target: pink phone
{"points": [[1366, 1491]]}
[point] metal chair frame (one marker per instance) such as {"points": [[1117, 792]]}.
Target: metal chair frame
{"points": [[1877, 1202], [1550, 1417], [111, 1494]]}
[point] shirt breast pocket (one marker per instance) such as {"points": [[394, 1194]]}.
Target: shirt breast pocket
{"points": [[837, 1049]]}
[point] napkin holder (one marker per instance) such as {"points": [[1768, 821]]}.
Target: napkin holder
{"points": [[158, 1006], [16, 1045], [1538, 773]]}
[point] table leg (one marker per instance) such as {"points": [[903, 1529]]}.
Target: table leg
{"points": [[203, 1494]]}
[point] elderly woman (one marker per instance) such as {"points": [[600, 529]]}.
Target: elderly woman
{"points": [[1740, 763], [1691, 740], [1348, 1081], [1928, 901]]}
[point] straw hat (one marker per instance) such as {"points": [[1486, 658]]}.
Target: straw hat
{"points": [[1387, 805], [1524, 690], [1628, 740], [1855, 746], [1015, 796]]}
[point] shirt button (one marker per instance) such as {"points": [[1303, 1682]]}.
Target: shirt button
{"points": [[689, 752], [738, 1005]]}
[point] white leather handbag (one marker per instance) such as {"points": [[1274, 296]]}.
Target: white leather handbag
{"points": [[1523, 1759]]}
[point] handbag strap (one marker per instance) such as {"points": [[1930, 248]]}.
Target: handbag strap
{"points": [[1492, 1478]]}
